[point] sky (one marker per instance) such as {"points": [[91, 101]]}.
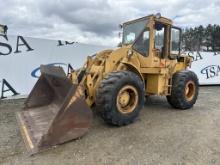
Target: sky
{"points": [[96, 21]]}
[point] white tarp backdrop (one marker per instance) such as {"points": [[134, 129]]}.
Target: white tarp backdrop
{"points": [[207, 67], [20, 58]]}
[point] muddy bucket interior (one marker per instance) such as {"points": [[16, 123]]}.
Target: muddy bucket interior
{"points": [[54, 112]]}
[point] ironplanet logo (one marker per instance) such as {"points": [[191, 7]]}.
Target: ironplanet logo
{"points": [[211, 71]]}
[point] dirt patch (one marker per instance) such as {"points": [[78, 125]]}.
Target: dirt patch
{"points": [[161, 135]]}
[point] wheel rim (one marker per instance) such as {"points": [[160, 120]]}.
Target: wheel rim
{"points": [[127, 99], [190, 89]]}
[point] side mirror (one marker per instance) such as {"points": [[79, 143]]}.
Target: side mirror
{"points": [[3, 29], [120, 26]]}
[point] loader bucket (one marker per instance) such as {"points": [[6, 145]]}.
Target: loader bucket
{"points": [[54, 112]]}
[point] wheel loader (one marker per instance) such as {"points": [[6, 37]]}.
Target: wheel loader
{"points": [[115, 82]]}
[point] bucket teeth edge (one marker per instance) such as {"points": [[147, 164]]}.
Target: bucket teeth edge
{"points": [[25, 134]]}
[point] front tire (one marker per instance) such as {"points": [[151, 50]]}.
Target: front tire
{"points": [[185, 88], [120, 97]]}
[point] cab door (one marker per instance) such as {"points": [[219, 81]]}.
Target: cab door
{"points": [[175, 41], [152, 45]]}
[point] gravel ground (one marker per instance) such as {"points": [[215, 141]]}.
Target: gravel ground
{"points": [[161, 135]]}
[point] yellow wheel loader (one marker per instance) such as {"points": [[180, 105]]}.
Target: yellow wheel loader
{"points": [[149, 62]]}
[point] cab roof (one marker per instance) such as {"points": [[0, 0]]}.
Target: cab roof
{"points": [[153, 17]]}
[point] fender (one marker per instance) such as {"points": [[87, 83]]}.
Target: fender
{"points": [[134, 69]]}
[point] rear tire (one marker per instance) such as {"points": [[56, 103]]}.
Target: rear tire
{"points": [[120, 97], [185, 90]]}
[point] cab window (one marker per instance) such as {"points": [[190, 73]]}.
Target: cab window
{"points": [[141, 45], [175, 41], [159, 38]]}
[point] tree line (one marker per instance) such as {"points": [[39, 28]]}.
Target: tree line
{"points": [[201, 38]]}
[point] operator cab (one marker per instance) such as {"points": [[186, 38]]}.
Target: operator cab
{"points": [[153, 34]]}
